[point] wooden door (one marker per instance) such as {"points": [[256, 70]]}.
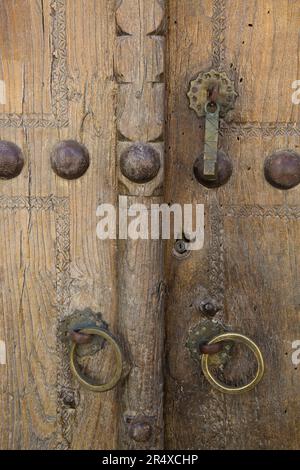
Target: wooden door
{"points": [[93, 108], [250, 261], [81, 84]]}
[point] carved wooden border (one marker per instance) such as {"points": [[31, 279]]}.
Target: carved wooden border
{"points": [[260, 130], [59, 95], [60, 206], [218, 28]]}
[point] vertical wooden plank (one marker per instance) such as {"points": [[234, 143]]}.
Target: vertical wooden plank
{"points": [[59, 85], [140, 73], [190, 31], [90, 27]]}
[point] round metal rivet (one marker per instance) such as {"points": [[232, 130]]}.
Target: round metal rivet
{"points": [[11, 160], [140, 163], [140, 432], [282, 169], [223, 171], [70, 159], [208, 306]]}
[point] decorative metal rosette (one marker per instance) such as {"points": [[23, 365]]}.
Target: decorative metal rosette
{"points": [[200, 87]]}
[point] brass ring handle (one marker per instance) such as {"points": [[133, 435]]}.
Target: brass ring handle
{"points": [[239, 338], [89, 383]]}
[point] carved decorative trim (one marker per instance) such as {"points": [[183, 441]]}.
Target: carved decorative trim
{"points": [[260, 130], [281, 212], [59, 91], [216, 254], [218, 29], [139, 71], [66, 395]]}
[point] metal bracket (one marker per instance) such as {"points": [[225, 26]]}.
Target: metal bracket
{"points": [[211, 143], [82, 319], [201, 334], [202, 88]]}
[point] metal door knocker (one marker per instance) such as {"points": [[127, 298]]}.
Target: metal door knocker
{"points": [[211, 96], [82, 336], [237, 337]]}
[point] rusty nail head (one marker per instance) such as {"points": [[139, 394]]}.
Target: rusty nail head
{"points": [[209, 308], [140, 431]]}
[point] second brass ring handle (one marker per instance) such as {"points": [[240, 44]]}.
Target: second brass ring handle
{"points": [[87, 382], [239, 338]]}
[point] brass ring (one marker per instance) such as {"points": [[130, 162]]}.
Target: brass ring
{"points": [[90, 383], [254, 348]]}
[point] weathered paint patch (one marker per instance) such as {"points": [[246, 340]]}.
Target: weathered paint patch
{"points": [[2, 353]]}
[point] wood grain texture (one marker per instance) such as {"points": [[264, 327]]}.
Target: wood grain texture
{"points": [[94, 71], [139, 68], [249, 260], [141, 295], [52, 262]]}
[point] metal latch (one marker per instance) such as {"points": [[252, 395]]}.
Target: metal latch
{"points": [[212, 96]]}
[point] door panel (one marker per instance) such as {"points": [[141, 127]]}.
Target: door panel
{"points": [[249, 260], [93, 72], [57, 64]]}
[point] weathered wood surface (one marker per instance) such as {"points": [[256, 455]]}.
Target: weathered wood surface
{"points": [[140, 119], [65, 79], [94, 72], [251, 254], [56, 58]]}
